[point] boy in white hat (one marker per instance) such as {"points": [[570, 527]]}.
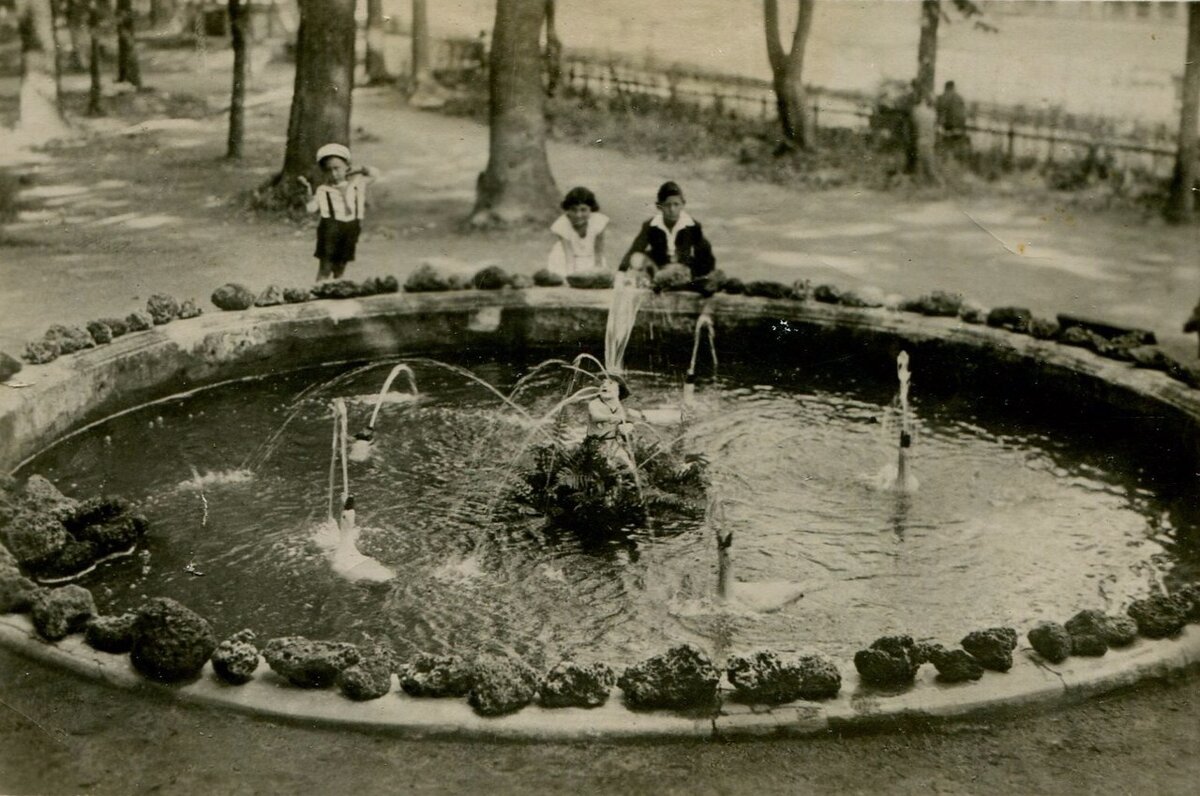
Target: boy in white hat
{"points": [[341, 201]]}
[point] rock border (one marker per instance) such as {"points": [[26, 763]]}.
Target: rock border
{"points": [[208, 350], [858, 708]]}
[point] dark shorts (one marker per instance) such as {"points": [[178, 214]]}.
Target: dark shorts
{"points": [[337, 240]]}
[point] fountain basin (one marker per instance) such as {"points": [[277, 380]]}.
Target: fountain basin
{"points": [[74, 391]]}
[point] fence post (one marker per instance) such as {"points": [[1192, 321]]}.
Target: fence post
{"points": [[816, 114], [1012, 143]]}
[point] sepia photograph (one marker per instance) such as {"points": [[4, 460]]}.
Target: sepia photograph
{"points": [[609, 397]]}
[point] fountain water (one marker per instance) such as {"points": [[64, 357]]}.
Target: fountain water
{"points": [[905, 480], [704, 323], [360, 449]]}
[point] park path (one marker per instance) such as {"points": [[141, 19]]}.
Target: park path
{"points": [[131, 211]]}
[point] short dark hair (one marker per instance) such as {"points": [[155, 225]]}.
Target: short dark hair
{"points": [[324, 164], [667, 190], [580, 196], [949, 84]]}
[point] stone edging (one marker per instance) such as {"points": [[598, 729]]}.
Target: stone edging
{"points": [[856, 708], [77, 389]]}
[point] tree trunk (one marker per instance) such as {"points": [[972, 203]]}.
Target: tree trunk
{"points": [[931, 15], [1181, 204], [517, 186], [237, 96], [95, 95], [376, 67], [39, 115], [77, 14], [787, 74], [423, 89], [553, 52], [321, 95], [128, 68]]}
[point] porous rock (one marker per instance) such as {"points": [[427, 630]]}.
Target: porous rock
{"points": [[1043, 329], [116, 535], [296, 295], [501, 685], [42, 496], [171, 642], [364, 681], [802, 289], [138, 321], [973, 313], [95, 510], [765, 677], [939, 303], [307, 663], [820, 678], [16, 592], [188, 309], [100, 331], [953, 666], [371, 676], [1159, 616], [337, 289], [490, 277], [272, 296], [547, 278], [1051, 640], [992, 647], [681, 677], [733, 286], [673, 277], [117, 326], [1191, 595], [73, 559], [889, 661], [236, 658], [769, 289], [233, 296], [34, 537], [1014, 319], [9, 366], [163, 308], [110, 633], [591, 280], [436, 676], [827, 294], [69, 338], [1114, 631], [520, 282], [426, 278], [56, 613], [578, 685], [39, 352]]}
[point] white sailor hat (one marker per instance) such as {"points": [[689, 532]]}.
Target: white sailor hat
{"points": [[333, 150]]}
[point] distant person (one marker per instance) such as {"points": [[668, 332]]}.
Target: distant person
{"points": [[579, 235], [341, 201], [952, 118], [671, 237], [924, 125]]}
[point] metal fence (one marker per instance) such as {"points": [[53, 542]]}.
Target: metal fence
{"points": [[1017, 134]]}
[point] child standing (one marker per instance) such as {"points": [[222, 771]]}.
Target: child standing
{"points": [[672, 236], [341, 201], [579, 235]]}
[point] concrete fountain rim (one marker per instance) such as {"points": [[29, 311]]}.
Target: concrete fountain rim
{"points": [[222, 347]]}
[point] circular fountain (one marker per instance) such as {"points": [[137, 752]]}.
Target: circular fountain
{"points": [[1019, 481]]}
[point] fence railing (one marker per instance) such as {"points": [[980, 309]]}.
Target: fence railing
{"points": [[1019, 134]]}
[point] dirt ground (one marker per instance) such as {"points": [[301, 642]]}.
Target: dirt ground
{"points": [[131, 210]]}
